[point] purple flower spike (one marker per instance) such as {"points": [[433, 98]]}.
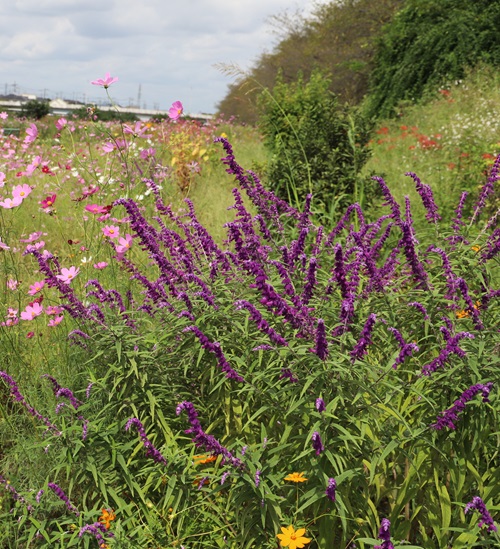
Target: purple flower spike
{"points": [[427, 197], [200, 438], [151, 451], [364, 339], [331, 489], [317, 443], [321, 348], [320, 405], [486, 519], [18, 397], [59, 492], [450, 416], [385, 535]]}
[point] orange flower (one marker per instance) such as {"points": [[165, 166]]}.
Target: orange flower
{"points": [[293, 539], [296, 477], [106, 517], [204, 459]]}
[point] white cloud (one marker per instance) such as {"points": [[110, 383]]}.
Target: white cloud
{"points": [[168, 49]]}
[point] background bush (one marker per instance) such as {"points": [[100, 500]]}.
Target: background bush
{"points": [[316, 145]]}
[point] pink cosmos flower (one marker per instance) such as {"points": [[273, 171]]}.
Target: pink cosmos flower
{"points": [[29, 335], [108, 147], [32, 237], [101, 265], [2, 179], [106, 81], [21, 191], [96, 209], [147, 153], [36, 287], [12, 284], [124, 244], [55, 321], [137, 131], [67, 275], [10, 322], [3, 115], [35, 246], [31, 133], [111, 231], [61, 123], [53, 310], [33, 166], [49, 201], [12, 313], [32, 311], [175, 110], [9, 203], [3, 246]]}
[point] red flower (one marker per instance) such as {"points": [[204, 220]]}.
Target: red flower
{"points": [[49, 201]]}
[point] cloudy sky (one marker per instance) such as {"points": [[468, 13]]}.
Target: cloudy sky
{"points": [[167, 48]]}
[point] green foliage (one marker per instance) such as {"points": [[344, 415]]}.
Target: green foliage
{"points": [[95, 113], [318, 147], [428, 43], [35, 109], [337, 38]]}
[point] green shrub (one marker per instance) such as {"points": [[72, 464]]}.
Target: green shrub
{"points": [[35, 109], [429, 42], [317, 146]]}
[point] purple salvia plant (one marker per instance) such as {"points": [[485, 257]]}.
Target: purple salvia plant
{"points": [[331, 489], [317, 443], [389, 199], [341, 225], [457, 222], [478, 505], [420, 308], [385, 535], [487, 189], [201, 439], [63, 392], [427, 197], [448, 273], [59, 492], [151, 451], [492, 246], [214, 347], [320, 405], [449, 417], [364, 339], [471, 308], [347, 305], [443, 357], [321, 347], [14, 493], [267, 203], [96, 529], [18, 397], [286, 373], [407, 349], [310, 281], [408, 244], [258, 474], [261, 322]]}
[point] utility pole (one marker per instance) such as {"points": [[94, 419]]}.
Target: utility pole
{"points": [[139, 96]]}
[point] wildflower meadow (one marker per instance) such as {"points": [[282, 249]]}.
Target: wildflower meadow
{"points": [[258, 380]]}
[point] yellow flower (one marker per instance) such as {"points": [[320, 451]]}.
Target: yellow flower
{"points": [[462, 314], [296, 477], [107, 517], [476, 248], [292, 538]]}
